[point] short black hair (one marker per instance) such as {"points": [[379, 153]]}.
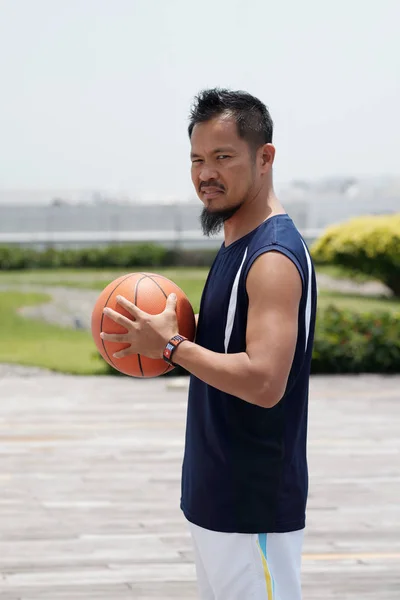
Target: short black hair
{"points": [[252, 117]]}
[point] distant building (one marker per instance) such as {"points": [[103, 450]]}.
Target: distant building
{"points": [[338, 199], [70, 220]]}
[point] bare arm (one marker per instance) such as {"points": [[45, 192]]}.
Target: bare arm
{"points": [[258, 375]]}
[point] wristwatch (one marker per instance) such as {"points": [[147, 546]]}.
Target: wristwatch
{"points": [[171, 347]]}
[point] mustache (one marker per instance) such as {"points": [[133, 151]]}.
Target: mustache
{"points": [[212, 183]]}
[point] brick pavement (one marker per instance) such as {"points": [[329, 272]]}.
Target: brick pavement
{"points": [[90, 474]]}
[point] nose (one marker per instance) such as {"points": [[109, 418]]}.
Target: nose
{"points": [[207, 174]]}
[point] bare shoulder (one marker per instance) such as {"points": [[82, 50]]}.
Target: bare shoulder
{"points": [[274, 276], [274, 289]]}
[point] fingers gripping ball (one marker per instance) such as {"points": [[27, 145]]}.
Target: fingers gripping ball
{"points": [[149, 292]]}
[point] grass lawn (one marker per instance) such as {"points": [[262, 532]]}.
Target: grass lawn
{"points": [[337, 272], [35, 343], [357, 302], [93, 278], [191, 280]]}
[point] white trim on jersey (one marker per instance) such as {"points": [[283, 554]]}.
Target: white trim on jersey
{"points": [[308, 303], [232, 305]]}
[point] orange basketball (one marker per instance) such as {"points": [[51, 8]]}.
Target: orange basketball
{"points": [[149, 292]]}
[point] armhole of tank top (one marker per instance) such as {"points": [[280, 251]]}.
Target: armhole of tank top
{"points": [[282, 250]]}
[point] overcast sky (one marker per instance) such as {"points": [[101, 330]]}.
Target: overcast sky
{"points": [[96, 93]]}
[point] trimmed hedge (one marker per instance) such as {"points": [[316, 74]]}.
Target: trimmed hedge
{"points": [[347, 342], [120, 256], [370, 245], [350, 342]]}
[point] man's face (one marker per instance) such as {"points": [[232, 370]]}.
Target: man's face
{"points": [[223, 171]]}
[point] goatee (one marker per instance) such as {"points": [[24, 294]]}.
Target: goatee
{"points": [[213, 221]]}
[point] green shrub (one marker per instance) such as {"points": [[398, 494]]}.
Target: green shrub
{"points": [[49, 259], [191, 258], [119, 256], [15, 258], [67, 258], [370, 245], [350, 342]]}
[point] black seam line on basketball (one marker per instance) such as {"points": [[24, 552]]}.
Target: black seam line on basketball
{"points": [[159, 286], [159, 276], [135, 300], [169, 368], [102, 318]]}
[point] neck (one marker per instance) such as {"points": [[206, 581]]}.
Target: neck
{"points": [[251, 215]]}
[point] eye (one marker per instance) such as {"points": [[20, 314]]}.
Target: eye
{"points": [[196, 161], [222, 156]]}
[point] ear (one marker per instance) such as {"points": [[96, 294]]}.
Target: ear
{"points": [[267, 156]]}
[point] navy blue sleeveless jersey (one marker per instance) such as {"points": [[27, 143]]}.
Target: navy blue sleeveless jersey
{"points": [[245, 467]]}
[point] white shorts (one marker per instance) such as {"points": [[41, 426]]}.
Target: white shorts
{"points": [[238, 566]]}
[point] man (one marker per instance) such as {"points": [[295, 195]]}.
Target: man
{"points": [[244, 480]]}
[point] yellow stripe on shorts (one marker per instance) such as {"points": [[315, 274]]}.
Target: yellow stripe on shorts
{"points": [[267, 574]]}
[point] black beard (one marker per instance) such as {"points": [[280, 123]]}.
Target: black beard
{"points": [[213, 221]]}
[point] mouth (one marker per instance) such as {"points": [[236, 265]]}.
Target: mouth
{"points": [[211, 192]]}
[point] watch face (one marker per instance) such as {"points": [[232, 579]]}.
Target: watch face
{"points": [[168, 349]]}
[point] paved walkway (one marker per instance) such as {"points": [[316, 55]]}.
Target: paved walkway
{"points": [[68, 307], [90, 476]]}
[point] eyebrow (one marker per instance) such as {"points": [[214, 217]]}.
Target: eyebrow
{"points": [[216, 151]]}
